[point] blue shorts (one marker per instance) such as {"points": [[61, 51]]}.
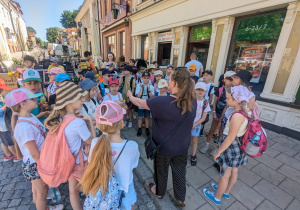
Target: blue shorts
{"points": [[130, 198], [196, 131], [144, 113]]}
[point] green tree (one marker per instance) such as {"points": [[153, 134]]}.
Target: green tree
{"points": [[38, 41], [67, 18], [29, 28], [52, 34], [44, 45]]}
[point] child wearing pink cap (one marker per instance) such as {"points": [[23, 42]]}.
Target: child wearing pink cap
{"points": [[117, 155], [52, 75], [29, 133], [229, 155]]}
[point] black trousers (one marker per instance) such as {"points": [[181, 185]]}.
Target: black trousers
{"points": [[178, 166]]}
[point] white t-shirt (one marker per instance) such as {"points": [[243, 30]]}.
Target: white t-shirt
{"points": [[145, 92], [91, 107], [76, 131], [128, 160], [198, 65], [2, 121], [51, 88], [230, 109], [117, 97], [199, 110], [25, 132], [206, 96]]}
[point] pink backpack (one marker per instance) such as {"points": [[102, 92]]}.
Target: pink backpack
{"points": [[254, 125], [256, 111], [56, 161]]}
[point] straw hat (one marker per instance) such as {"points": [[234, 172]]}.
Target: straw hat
{"points": [[67, 93]]}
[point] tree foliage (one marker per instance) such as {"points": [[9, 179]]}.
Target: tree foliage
{"points": [[52, 34], [29, 28], [38, 41], [67, 18], [44, 45]]}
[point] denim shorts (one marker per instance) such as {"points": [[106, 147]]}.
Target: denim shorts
{"points": [[6, 138], [130, 198], [196, 131], [30, 171], [144, 113]]}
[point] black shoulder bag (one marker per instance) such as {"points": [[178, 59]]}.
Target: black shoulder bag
{"points": [[152, 148]]}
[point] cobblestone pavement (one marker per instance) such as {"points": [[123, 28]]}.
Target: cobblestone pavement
{"points": [[271, 181]]}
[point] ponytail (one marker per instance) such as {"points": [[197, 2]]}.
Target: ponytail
{"points": [[14, 119], [53, 120], [185, 89]]}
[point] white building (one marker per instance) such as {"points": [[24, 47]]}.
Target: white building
{"points": [[13, 33], [261, 36]]}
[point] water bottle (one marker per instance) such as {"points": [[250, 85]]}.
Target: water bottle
{"points": [[255, 139], [56, 195]]}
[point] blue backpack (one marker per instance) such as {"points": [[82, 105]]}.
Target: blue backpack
{"points": [[102, 89]]}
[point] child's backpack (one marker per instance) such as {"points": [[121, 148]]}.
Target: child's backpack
{"points": [[102, 89], [85, 64], [56, 161], [119, 95], [123, 82], [254, 125], [256, 111]]}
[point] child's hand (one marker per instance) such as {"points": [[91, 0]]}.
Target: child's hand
{"points": [[86, 118], [216, 155], [86, 149], [43, 114], [194, 126], [129, 94]]}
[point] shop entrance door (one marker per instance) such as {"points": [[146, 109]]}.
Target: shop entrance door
{"points": [[201, 50], [164, 53]]}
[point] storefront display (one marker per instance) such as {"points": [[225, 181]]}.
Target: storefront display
{"points": [[255, 40]]}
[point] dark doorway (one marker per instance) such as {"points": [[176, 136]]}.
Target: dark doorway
{"points": [[201, 50], [164, 53]]}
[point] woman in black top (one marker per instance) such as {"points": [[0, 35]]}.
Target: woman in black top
{"points": [[167, 111]]}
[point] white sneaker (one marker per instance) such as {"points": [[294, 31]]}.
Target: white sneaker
{"points": [[204, 148], [134, 116], [56, 207], [214, 151], [125, 123], [129, 124]]}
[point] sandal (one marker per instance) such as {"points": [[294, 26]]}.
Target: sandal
{"points": [[150, 187], [180, 203]]}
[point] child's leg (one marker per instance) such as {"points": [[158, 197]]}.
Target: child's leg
{"points": [[140, 120], [195, 144], [39, 191], [130, 115], [147, 122], [6, 150], [12, 150], [232, 179], [223, 183], [213, 127], [74, 194]]}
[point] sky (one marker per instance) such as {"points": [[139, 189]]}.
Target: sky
{"points": [[42, 14]]}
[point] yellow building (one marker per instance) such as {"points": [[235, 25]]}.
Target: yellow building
{"points": [[261, 36]]}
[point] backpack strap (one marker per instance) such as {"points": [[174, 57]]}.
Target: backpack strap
{"points": [[85, 107], [205, 103], [220, 92], [109, 96], [241, 112], [121, 152], [94, 101], [210, 89], [119, 96], [35, 125]]}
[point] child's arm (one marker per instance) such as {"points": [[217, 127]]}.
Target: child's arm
{"points": [[223, 113], [251, 103], [150, 90], [33, 150], [139, 94], [214, 108], [90, 126], [137, 101], [199, 122], [210, 98]]}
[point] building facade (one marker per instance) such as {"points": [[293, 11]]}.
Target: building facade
{"points": [[13, 32], [261, 36], [68, 36]]}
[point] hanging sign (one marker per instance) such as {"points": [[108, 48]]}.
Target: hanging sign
{"points": [[165, 37]]}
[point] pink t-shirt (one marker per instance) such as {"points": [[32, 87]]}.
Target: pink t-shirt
{"points": [[152, 78], [199, 110]]}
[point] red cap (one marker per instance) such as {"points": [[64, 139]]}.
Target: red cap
{"points": [[3, 85], [113, 80]]}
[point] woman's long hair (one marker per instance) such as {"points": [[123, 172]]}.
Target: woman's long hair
{"points": [[100, 167], [185, 89], [14, 119], [55, 118]]}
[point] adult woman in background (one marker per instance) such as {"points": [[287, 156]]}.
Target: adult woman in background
{"points": [[110, 59], [167, 113]]}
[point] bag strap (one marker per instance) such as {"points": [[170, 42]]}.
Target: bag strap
{"points": [[119, 96], [120, 152], [35, 125], [174, 130], [94, 101], [241, 112], [109, 96], [85, 107], [204, 106], [220, 92]]}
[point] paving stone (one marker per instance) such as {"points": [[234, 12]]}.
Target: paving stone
{"points": [[282, 147], [269, 161], [267, 205], [206, 206], [297, 156], [294, 205], [23, 186], [142, 151], [268, 174], [290, 172], [18, 179], [23, 207], [143, 170], [270, 143], [271, 134], [1, 195], [291, 187], [204, 162], [273, 194], [5, 182], [7, 195], [151, 206], [248, 177], [192, 199], [27, 200], [196, 177], [27, 193], [251, 163], [15, 202], [246, 195], [213, 173], [237, 206], [271, 152], [17, 194], [289, 161], [4, 204]]}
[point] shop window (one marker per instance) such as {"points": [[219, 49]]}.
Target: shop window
{"points": [[122, 43], [175, 56], [201, 32], [254, 44], [111, 44], [145, 47]]}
